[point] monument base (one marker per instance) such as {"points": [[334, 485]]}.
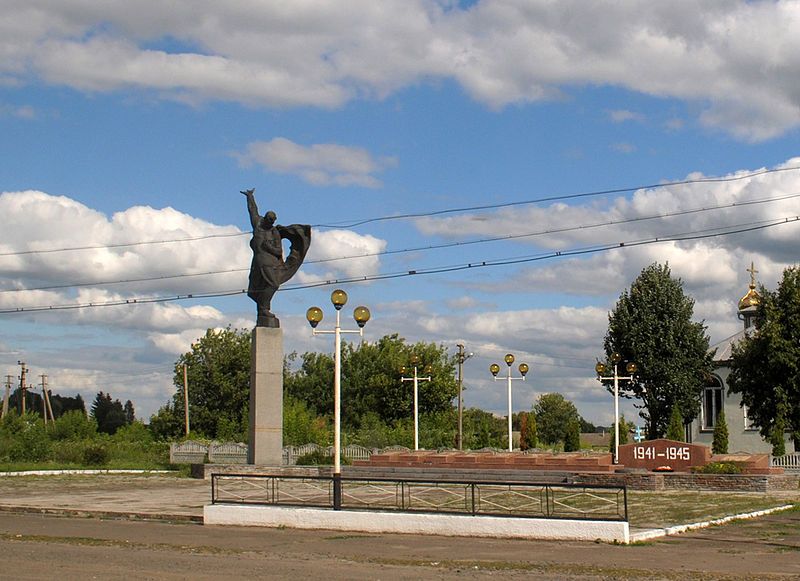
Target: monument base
{"points": [[266, 397]]}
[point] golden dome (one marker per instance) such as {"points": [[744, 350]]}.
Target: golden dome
{"points": [[752, 298]]}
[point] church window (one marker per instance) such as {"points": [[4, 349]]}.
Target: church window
{"points": [[712, 403]]}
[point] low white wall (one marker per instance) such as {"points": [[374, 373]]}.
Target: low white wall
{"points": [[415, 523]]}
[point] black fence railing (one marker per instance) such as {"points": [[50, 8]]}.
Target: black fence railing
{"points": [[490, 498]]}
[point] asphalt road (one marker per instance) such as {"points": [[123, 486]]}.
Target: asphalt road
{"points": [[64, 548]]}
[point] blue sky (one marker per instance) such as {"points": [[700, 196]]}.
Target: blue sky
{"points": [[124, 123]]}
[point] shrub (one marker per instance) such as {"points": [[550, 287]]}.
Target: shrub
{"points": [[25, 438], [676, 430], [572, 440], [74, 425], [95, 455], [718, 468], [719, 445], [318, 458], [776, 438]]}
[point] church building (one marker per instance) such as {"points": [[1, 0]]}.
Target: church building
{"points": [[742, 435]]}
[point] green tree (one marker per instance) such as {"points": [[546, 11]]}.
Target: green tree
{"points": [[130, 413], [676, 430], [371, 380], [765, 364], [719, 444], [777, 438], [624, 429], [652, 325], [301, 426], [165, 423], [572, 437], [109, 414], [528, 435], [218, 374], [553, 416], [483, 430]]}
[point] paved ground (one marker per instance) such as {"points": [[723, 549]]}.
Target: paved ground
{"points": [[45, 547]]}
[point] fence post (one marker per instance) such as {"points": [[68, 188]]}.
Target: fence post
{"points": [[474, 508]]}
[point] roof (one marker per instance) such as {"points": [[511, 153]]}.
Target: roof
{"points": [[725, 347]]}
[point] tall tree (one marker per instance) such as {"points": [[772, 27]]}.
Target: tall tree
{"points": [[652, 326], [130, 413], [765, 365], [108, 413], [218, 374], [371, 380], [554, 414]]}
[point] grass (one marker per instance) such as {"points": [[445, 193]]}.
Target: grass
{"points": [[663, 509]]}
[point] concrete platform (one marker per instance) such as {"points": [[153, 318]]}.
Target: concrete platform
{"points": [[416, 523]]}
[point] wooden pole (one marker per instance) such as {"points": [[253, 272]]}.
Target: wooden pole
{"points": [[186, 398]]}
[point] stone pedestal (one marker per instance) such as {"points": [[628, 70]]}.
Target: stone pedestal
{"points": [[266, 397]]}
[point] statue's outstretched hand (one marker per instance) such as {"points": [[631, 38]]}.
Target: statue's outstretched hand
{"points": [[248, 192]]}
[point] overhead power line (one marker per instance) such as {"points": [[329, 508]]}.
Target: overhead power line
{"points": [[696, 235], [551, 231], [353, 224]]}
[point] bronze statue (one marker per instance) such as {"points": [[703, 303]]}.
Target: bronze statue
{"points": [[269, 270]]}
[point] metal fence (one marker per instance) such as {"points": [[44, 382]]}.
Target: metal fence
{"points": [[490, 498]]}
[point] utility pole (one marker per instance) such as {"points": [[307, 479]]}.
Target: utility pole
{"points": [[22, 385], [186, 398], [462, 357], [8, 393], [47, 408]]}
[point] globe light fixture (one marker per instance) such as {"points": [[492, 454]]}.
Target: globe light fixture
{"points": [[602, 369], [523, 370], [339, 299], [314, 316]]}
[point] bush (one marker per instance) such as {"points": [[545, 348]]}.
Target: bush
{"points": [[719, 445], [676, 430], [95, 455], [319, 458], [572, 439], [74, 425], [718, 468], [24, 438]]}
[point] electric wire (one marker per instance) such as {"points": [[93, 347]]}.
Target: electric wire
{"points": [[456, 244], [695, 235], [356, 223]]}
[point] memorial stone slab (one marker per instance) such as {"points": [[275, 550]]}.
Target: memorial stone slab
{"points": [[663, 454]]}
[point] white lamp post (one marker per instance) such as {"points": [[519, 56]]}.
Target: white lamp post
{"points": [[416, 379], [523, 370], [314, 317], [601, 369]]}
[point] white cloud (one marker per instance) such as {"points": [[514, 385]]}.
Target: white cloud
{"points": [[738, 60], [322, 164]]}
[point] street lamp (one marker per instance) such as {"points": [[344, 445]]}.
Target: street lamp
{"points": [[523, 370], [462, 357], [416, 379], [314, 316], [602, 369]]}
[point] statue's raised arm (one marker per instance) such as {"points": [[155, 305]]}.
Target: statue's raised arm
{"points": [[269, 270], [252, 207]]}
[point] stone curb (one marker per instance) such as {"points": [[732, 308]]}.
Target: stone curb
{"points": [[103, 514], [80, 472]]}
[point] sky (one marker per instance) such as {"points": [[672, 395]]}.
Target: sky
{"points": [[492, 173]]}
